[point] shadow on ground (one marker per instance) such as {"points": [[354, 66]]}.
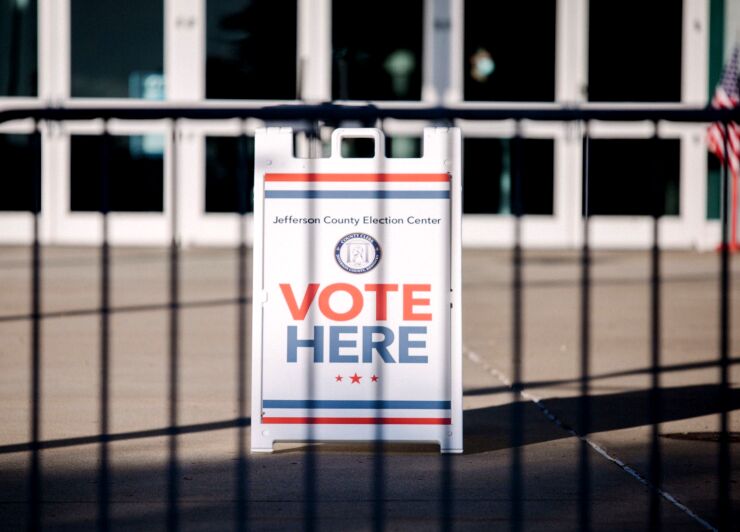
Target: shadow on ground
{"points": [[494, 428], [491, 428], [409, 488]]}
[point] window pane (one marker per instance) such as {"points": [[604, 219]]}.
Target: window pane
{"points": [[21, 160], [135, 172], [714, 187], [223, 157], [621, 171], [635, 51], [358, 148], [376, 49], [403, 147], [509, 51], [18, 35], [251, 49], [117, 49], [488, 175]]}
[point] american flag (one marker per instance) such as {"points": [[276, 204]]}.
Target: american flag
{"points": [[727, 97]]}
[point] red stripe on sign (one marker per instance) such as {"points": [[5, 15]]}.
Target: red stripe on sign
{"points": [[357, 420], [359, 178]]}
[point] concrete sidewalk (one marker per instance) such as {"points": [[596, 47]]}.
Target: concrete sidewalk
{"points": [[351, 487]]}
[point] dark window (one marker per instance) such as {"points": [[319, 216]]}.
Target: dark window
{"points": [[360, 148], [18, 36], [489, 167], [251, 49], [376, 49], [21, 161], [635, 51], [225, 157], [135, 173], [403, 147], [509, 51], [623, 173], [714, 187], [117, 49]]}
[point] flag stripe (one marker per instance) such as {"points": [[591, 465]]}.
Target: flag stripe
{"points": [[726, 137], [723, 140]]}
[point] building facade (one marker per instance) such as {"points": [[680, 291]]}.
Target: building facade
{"points": [[457, 53]]}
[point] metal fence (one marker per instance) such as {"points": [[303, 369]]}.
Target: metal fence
{"points": [[371, 116]]}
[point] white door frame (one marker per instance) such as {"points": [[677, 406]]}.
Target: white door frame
{"points": [[184, 63], [199, 227], [126, 228]]}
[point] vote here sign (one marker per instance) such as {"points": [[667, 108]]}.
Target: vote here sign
{"points": [[356, 294]]}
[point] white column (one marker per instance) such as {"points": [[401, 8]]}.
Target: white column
{"points": [[694, 91], [695, 52], [54, 179], [437, 50], [454, 93], [569, 178], [54, 89], [185, 49], [693, 183], [571, 51], [314, 49], [185, 79], [571, 81], [54, 50]]}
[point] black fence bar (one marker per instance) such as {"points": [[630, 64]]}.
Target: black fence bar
{"points": [[584, 405], [35, 508], [516, 427], [654, 397], [104, 390], [243, 192], [173, 487], [725, 513], [447, 493]]}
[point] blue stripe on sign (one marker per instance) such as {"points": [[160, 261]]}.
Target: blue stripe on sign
{"points": [[357, 194], [326, 403]]}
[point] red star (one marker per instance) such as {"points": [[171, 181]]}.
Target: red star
{"points": [[355, 378], [338, 378], [374, 378]]}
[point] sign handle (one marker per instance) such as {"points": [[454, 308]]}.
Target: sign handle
{"points": [[354, 133]]}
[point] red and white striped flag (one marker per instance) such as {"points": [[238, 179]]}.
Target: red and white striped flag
{"points": [[727, 96]]}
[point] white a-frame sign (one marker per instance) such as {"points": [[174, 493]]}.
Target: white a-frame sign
{"points": [[357, 293]]}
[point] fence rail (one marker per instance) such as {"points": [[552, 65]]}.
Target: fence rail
{"points": [[330, 113]]}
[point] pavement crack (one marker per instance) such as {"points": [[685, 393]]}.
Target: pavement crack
{"points": [[475, 358]]}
